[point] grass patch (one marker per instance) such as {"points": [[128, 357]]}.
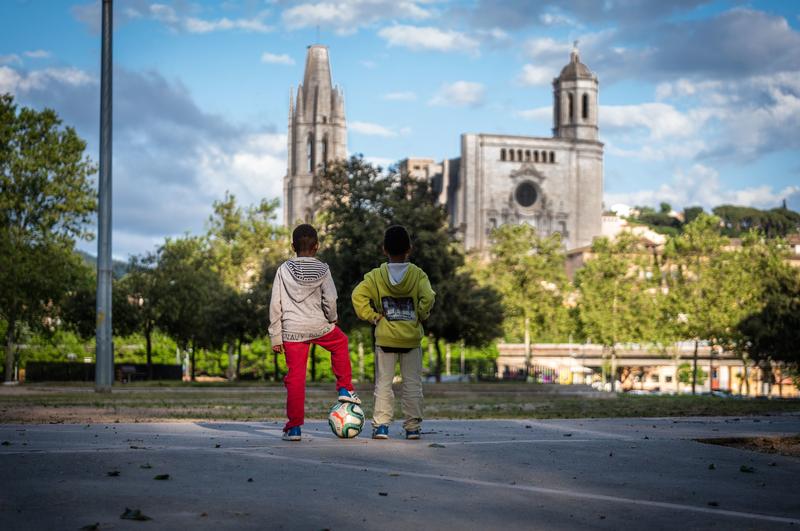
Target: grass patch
{"points": [[259, 401]]}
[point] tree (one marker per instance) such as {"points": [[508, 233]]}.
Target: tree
{"points": [[357, 204], [527, 270], [141, 290], [693, 281], [189, 291], [46, 200], [614, 304], [240, 242], [769, 326]]}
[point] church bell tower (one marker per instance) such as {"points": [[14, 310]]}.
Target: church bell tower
{"points": [[575, 101], [317, 135]]}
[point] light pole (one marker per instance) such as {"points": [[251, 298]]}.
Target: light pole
{"points": [[104, 355]]}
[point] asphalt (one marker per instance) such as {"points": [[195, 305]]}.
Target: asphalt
{"points": [[492, 474]]}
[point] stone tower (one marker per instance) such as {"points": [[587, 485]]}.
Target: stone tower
{"points": [[575, 101], [317, 135]]}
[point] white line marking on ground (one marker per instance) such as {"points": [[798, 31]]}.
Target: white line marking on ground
{"points": [[562, 429], [539, 490]]}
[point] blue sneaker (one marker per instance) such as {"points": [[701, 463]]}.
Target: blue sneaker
{"points": [[348, 396], [380, 432], [413, 434], [292, 434]]}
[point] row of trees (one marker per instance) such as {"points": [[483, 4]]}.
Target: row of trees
{"points": [[210, 292], [735, 221]]}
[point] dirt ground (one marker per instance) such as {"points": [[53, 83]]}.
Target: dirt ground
{"points": [[788, 446]]}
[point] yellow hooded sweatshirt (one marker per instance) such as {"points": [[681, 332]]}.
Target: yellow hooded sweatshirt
{"points": [[403, 305]]}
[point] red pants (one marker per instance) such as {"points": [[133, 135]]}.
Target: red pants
{"points": [[297, 360]]}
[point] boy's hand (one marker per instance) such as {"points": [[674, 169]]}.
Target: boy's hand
{"points": [[278, 348]]}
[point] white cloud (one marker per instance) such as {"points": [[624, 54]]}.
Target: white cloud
{"points": [[11, 58], [700, 185], [196, 25], [169, 16], [21, 82], [271, 58], [347, 16], [37, 54], [370, 129], [419, 38], [460, 94], [533, 75], [400, 96]]}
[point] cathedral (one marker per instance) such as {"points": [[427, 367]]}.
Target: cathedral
{"points": [[552, 183]]}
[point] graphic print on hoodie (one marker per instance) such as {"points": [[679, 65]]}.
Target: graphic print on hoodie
{"points": [[303, 303]]}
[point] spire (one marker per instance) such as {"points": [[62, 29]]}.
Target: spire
{"points": [[291, 103], [299, 102], [317, 77]]}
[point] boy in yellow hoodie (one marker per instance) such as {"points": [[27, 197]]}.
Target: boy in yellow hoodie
{"points": [[397, 298]]}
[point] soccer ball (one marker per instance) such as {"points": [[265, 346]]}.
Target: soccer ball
{"points": [[346, 419]]}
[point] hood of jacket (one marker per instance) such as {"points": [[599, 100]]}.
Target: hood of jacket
{"points": [[406, 285], [303, 276]]}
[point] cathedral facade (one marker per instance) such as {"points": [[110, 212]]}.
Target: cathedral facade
{"points": [[553, 183]]}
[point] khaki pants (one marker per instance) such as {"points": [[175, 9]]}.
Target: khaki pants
{"points": [[411, 390]]}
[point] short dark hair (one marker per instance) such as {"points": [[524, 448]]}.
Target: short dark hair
{"points": [[304, 238], [396, 240]]}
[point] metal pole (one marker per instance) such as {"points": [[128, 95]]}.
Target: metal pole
{"points": [[104, 359]]}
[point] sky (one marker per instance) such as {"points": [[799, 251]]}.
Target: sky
{"points": [[700, 99]]}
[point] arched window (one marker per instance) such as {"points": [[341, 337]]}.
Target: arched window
{"points": [[585, 107], [571, 107], [519, 155], [324, 119], [503, 154], [528, 155], [325, 153], [310, 153], [552, 156], [535, 156], [511, 155]]}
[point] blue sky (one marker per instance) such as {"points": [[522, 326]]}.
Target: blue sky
{"points": [[700, 100]]}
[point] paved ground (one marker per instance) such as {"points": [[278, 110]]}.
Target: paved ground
{"points": [[516, 474]]}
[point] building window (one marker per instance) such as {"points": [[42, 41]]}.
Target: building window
{"points": [[519, 155], [552, 157], [536, 156], [526, 194], [528, 155], [502, 154], [325, 153], [654, 378], [571, 107], [585, 107], [511, 155], [668, 378], [324, 119], [310, 153]]}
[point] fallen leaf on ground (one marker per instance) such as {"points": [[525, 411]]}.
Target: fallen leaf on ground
{"points": [[747, 469], [161, 477], [436, 445], [146, 465], [383, 494], [134, 514], [712, 467], [713, 504], [113, 473], [91, 527]]}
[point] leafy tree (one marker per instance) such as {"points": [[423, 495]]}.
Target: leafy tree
{"points": [[141, 289], [769, 325], [691, 213], [240, 242], [357, 204], [738, 220], [46, 199], [354, 212], [614, 304], [189, 291]]}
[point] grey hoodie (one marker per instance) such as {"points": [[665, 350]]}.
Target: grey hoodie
{"points": [[303, 304]]}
